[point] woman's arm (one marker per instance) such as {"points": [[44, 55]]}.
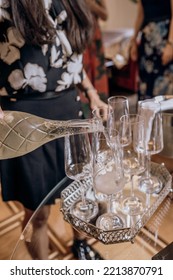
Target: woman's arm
{"points": [[87, 87], [137, 26], [167, 55], [139, 20], [98, 9]]}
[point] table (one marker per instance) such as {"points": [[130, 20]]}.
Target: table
{"points": [[155, 236]]}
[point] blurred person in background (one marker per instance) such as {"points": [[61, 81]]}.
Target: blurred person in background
{"points": [[154, 49], [94, 58]]}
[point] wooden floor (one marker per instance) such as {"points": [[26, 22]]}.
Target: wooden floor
{"points": [[60, 233], [11, 216]]}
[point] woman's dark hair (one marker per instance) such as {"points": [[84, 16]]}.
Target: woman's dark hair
{"points": [[29, 17]]}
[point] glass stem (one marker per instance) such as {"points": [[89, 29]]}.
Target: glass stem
{"points": [[109, 204], [132, 186], [148, 198], [83, 197], [148, 165]]}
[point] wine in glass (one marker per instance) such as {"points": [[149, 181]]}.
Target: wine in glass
{"points": [[131, 138], [108, 176], [78, 166], [150, 110]]}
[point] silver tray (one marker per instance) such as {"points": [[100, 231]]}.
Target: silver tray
{"points": [[72, 193]]}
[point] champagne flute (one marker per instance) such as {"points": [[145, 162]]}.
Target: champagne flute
{"points": [[78, 166], [107, 118], [153, 144], [131, 138], [104, 116], [119, 105], [108, 176]]}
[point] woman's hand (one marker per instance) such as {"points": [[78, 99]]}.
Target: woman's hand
{"points": [[167, 55], [91, 93], [95, 101]]}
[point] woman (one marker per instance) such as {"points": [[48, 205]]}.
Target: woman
{"points": [[155, 51], [41, 46], [94, 59]]}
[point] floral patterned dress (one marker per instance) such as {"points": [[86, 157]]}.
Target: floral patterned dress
{"points": [[24, 68], [27, 70], [154, 78]]}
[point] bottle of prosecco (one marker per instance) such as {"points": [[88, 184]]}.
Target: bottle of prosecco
{"points": [[21, 133]]}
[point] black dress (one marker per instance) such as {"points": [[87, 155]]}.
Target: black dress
{"points": [[33, 71], [154, 78]]}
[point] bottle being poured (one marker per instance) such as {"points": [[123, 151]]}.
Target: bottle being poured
{"points": [[21, 133], [166, 102]]}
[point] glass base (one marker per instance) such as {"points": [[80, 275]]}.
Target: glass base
{"points": [[150, 185], [132, 206], [109, 221], [85, 212]]}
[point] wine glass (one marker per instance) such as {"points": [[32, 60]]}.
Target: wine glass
{"points": [[153, 133], [119, 105], [106, 117], [108, 175], [78, 166], [131, 138]]}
